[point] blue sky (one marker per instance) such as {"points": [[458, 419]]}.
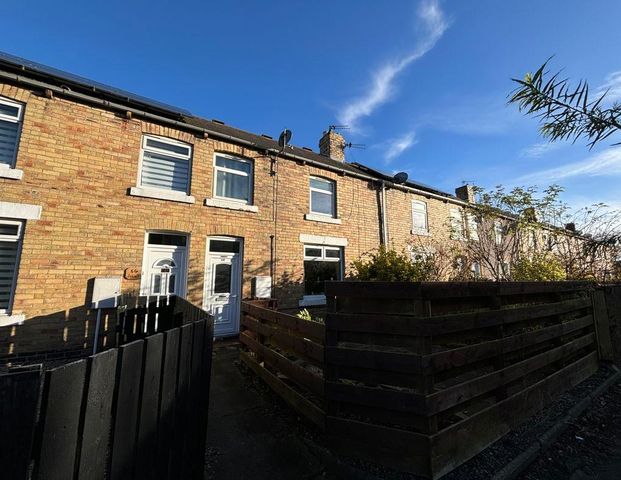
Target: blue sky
{"points": [[422, 83]]}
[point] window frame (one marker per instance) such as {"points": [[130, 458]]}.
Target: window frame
{"points": [[320, 299], [18, 239], [170, 141], [457, 217], [217, 168], [19, 120], [312, 189], [425, 210]]}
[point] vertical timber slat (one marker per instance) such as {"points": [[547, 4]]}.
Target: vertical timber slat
{"points": [[61, 407], [94, 454], [126, 411]]}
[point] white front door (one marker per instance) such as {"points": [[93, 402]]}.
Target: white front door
{"points": [[223, 284], [164, 266]]}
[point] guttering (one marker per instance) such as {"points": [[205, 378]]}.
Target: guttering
{"points": [[212, 133]]}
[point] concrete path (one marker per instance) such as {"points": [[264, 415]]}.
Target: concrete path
{"points": [[249, 438]]}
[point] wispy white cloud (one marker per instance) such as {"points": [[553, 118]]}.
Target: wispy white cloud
{"points": [[477, 115], [612, 85], [434, 24], [607, 162], [540, 149], [396, 146]]}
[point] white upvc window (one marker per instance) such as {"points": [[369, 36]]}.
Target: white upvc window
{"points": [[457, 224], [165, 164], [420, 220], [498, 232], [321, 263], [11, 115], [473, 226], [323, 196], [233, 178], [10, 243], [475, 268]]}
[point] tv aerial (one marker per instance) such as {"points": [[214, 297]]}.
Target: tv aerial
{"points": [[331, 128], [360, 146]]}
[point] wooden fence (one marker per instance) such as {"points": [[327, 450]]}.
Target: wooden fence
{"points": [[287, 353], [423, 376], [132, 412]]}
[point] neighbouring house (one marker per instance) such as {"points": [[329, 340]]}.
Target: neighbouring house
{"points": [[99, 182]]}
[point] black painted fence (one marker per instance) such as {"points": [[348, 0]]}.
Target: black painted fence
{"points": [[138, 411]]}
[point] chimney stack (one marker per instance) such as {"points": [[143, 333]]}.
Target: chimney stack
{"points": [[465, 193], [332, 145]]}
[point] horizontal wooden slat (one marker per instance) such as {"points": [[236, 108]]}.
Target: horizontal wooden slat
{"points": [[396, 290], [458, 357], [314, 330], [457, 443], [295, 372], [444, 290], [293, 398], [401, 401], [462, 392], [299, 345], [417, 326], [374, 359], [436, 290]]}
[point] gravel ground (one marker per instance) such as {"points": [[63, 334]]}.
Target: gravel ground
{"points": [[589, 448], [600, 428]]}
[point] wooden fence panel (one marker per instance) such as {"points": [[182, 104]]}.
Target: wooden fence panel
{"points": [[19, 398], [192, 437], [444, 358], [60, 412], [95, 442], [146, 443], [287, 353], [181, 399], [167, 402], [127, 404]]}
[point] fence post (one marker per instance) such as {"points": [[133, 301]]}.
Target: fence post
{"points": [[602, 328]]}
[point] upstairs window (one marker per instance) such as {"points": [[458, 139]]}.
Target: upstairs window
{"points": [[323, 196], [10, 235], [499, 232], [233, 178], [166, 164], [457, 224], [321, 264], [11, 114], [420, 222], [473, 227]]}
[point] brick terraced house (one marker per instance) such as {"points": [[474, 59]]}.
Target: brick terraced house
{"points": [[98, 182]]}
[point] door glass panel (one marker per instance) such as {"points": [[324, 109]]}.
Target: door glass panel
{"points": [[222, 278], [223, 246], [157, 283], [171, 283], [167, 239]]}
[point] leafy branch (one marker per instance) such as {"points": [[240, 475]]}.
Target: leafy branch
{"points": [[565, 112]]}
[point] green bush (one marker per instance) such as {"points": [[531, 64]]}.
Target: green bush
{"points": [[391, 266], [538, 268]]}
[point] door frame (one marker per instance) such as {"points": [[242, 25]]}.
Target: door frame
{"points": [[145, 248], [207, 274]]}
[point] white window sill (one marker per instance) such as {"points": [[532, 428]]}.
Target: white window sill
{"points": [[6, 320], [12, 173], [161, 194], [422, 233], [312, 300], [231, 205], [316, 217]]}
